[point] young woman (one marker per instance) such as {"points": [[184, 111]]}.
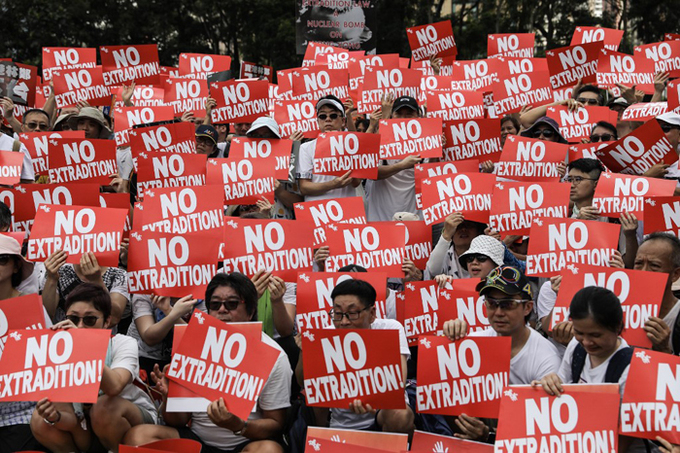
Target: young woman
{"points": [[68, 427]]}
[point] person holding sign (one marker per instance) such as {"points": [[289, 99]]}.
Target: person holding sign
{"points": [[92, 121], [229, 298], [509, 303], [67, 427], [330, 115], [597, 354]]}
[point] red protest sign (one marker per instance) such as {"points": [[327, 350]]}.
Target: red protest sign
{"points": [[244, 181], [433, 83], [467, 193], [186, 95], [128, 117], [72, 86], [616, 194], [556, 242], [673, 94], [450, 105], [26, 199], [239, 101], [432, 39], [644, 111], [225, 354], [118, 201], [424, 441], [583, 417], [62, 365], [337, 60], [255, 71], [77, 230], [638, 151], [392, 442], [340, 152], [579, 150], [317, 48], [640, 294], [339, 356], [334, 446], [168, 264], [158, 169], [324, 212], [473, 139], [514, 91], [282, 247], [577, 125], [278, 150], [418, 242], [314, 296], [124, 64], [662, 214], [651, 400], [404, 137], [614, 68], [528, 159], [516, 204], [380, 81], [464, 302], [374, 246], [665, 55], [55, 58], [37, 145], [181, 399], [419, 310], [296, 115], [24, 312], [10, 167], [168, 138], [82, 160], [319, 81], [473, 75], [143, 96], [510, 45], [585, 35], [199, 66], [357, 69], [446, 369], [423, 171], [568, 65]]}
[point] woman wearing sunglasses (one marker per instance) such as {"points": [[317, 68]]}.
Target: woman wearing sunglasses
{"points": [[546, 129], [68, 427]]}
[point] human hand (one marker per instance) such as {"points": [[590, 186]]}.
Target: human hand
{"points": [[451, 224], [128, 94], [220, 416], [411, 272], [588, 213], [277, 288], [344, 180], [90, 268], [54, 262], [261, 281], [563, 332], [455, 329], [552, 384], [472, 428]]}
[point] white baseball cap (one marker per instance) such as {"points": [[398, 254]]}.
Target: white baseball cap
{"points": [[265, 121]]}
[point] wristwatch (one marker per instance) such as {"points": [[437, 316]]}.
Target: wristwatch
{"points": [[59, 418], [242, 430]]}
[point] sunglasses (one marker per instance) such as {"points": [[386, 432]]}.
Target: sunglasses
{"points": [[332, 116], [601, 138], [229, 304], [667, 127], [33, 126], [89, 320], [480, 258], [505, 304], [588, 101], [547, 133], [4, 259]]}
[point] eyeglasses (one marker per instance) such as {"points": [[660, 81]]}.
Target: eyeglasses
{"points": [[337, 316], [576, 180], [667, 127], [601, 138], [547, 133], [89, 320], [229, 304], [588, 101], [332, 116], [505, 304], [479, 257], [33, 126], [4, 259]]}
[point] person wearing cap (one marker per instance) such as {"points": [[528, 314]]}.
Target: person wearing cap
{"points": [[206, 141], [286, 194], [394, 190], [670, 124], [330, 114], [618, 105], [92, 122], [455, 239], [546, 129], [485, 254], [532, 116], [508, 298]]}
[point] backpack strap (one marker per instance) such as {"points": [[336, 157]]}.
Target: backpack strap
{"points": [[578, 361], [617, 365]]}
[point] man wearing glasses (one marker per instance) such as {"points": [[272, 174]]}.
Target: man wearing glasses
{"points": [[509, 302], [330, 115]]}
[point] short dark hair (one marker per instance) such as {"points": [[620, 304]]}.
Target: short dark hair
{"points": [[352, 268], [590, 89], [92, 294], [29, 111], [363, 121], [608, 126], [587, 165], [600, 304], [359, 288], [670, 239], [513, 120], [5, 217], [243, 286]]}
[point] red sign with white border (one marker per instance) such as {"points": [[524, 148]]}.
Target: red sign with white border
{"points": [[82, 160], [124, 64], [616, 193], [467, 193]]}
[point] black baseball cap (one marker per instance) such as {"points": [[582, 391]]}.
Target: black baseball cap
{"points": [[507, 279], [205, 130], [405, 101]]}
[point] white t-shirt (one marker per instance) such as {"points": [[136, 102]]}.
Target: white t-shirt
{"points": [[125, 354], [538, 358], [124, 161], [391, 195], [275, 395], [7, 144], [590, 375], [346, 419], [306, 171]]}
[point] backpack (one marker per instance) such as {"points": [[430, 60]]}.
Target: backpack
{"points": [[618, 363]]}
